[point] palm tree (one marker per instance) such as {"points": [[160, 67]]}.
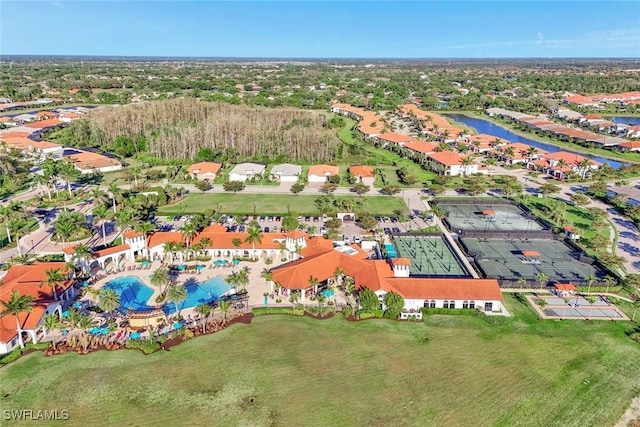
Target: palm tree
{"points": [[490, 162], [224, 307], [17, 304], [115, 193], [82, 252], [268, 261], [160, 278], [313, 282], [266, 275], [609, 281], [101, 213], [294, 298], [43, 181], [254, 235], [543, 279], [590, 280], [51, 322], [144, 227], [109, 300], [636, 304], [236, 243], [522, 281], [337, 274], [187, 231], [54, 278], [466, 162], [176, 294], [204, 310], [321, 300], [169, 248], [205, 242], [242, 278], [69, 173], [9, 214]]}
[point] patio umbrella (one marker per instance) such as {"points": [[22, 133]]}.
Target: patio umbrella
{"points": [[145, 263], [236, 261], [104, 331], [85, 284], [177, 325], [65, 313], [135, 335], [199, 267], [77, 304], [181, 267]]}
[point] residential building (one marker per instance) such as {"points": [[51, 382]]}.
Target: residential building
{"points": [[450, 163], [246, 171], [286, 172], [321, 173], [87, 162], [204, 170], [365, 174], [28, 280]]}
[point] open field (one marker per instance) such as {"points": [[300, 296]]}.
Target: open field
{"points": [[468, 373], [272, 204]]}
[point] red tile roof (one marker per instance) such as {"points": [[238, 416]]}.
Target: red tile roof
{"points": [[531, 254], [447, 158], [401, 261], [395, 137], [565, 287], [362, 171], [130, 234], [27, 280], [204, 168], [422, 147], [110, 251], [323, 170], [45, 124]]}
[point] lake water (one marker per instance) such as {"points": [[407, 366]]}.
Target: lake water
{"points": [[627, 120], [489, 128]]}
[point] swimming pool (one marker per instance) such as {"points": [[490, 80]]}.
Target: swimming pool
{"points": [[201, 292], [391, 250], [133, 293]]}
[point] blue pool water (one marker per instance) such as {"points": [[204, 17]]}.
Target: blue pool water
{"points": [[391, 250], [133, 293], [200, 292], [627, 120]]}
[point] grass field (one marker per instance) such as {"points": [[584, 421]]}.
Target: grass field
{"points": [[301, 371], [32, 223], [272, 204]]}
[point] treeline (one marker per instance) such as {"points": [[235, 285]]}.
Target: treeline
{"points": [[179, 128]]}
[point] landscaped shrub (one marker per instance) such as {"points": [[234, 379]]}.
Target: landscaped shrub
{"points": [[16, 353], [259, 311], [146, 346], [378, 313], [456, 311], [346, 311], [494, 320], [365, 315], [188, 333]]}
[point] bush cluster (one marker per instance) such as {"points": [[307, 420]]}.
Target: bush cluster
{"points": [[258, 311]]}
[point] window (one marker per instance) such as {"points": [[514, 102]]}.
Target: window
{"points": [[472, 304], [465, 304], [488, 306], [452, 304], [448, 304], [432, 304]]}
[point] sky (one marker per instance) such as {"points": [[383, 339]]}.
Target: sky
{"points": [[330, 29]]}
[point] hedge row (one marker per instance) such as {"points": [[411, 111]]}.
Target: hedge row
{"points": [[258, 311], [16, 353], [612, 289], [366, 314], [457, 311]]}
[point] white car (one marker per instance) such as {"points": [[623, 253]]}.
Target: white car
{"points": [[357, 239]]}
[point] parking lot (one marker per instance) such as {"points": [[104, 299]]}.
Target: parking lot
{"points": [[313, 224]]}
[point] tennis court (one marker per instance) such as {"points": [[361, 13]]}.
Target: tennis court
{"points": [[512, 259], [576, 307], [430, 256], [488, 217]]}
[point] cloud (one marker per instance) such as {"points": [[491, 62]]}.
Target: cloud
{"points": [[56, 4], [540, 38]]}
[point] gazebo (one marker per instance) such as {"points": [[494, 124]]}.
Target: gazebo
{"points": [[565, 288], [530, 257]]}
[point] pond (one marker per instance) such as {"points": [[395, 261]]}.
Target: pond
{"points": [[628, 120]]}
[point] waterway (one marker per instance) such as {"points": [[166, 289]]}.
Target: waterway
{"points": [[627, 120], [489, 128]]}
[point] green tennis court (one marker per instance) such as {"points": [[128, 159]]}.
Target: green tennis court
{"points": [[488, 217], [504, 259], [430, 256]]}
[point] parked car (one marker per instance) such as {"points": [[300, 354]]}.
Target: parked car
{"points": [[346, 238], [386, 219], [378, 218], [266, 229], [395, 230], [323, 230], [316, 219], [299, 217], [270, 219], [241, 228], [278, 218], [357, 239], [387, 230], [394, 219], [262, 218], [307, 218]]}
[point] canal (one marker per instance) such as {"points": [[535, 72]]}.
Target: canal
{"points": [[489, 128], [628, 120]]}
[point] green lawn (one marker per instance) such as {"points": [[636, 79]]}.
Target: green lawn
{"points": [[272, 204], [578, 216], [301, 371], [385, 158], [32, 223]]}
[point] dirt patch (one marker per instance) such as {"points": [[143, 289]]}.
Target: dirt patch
{"points": [[631, 418]]}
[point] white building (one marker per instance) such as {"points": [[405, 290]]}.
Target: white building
{"points": [[246, 171], [286, 172]]}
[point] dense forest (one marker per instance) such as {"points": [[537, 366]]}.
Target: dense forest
{"points": [[180, 128]]}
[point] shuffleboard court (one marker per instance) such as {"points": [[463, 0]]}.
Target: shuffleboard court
{"points": [[507, 260], [576, 307], [430, 256], [488, 217]]}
